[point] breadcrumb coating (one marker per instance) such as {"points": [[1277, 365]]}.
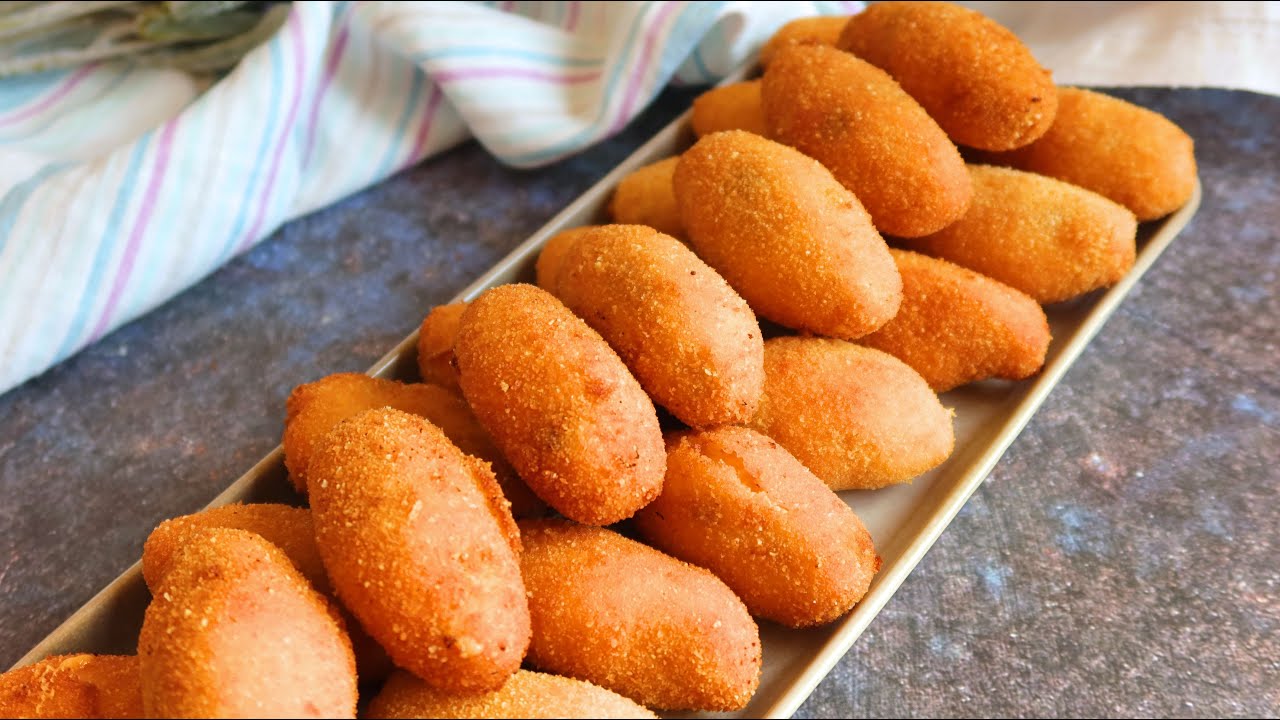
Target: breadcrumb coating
{"points": [[974, 76], [735, 106], [316, 407], [857, 417], [690, 340], [647, 197], [236, 631], [794, 243], [421, 549], [435, 345], [1049, 239], [874, 138], [629, 618], [73, 686], [1126, 153], [740, 505], [819, 30], [526, 694], [560, 404], [957, 326]]}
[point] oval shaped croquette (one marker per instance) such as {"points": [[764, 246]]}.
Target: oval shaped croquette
{"points": [[236, 631], [858, 418], [740, 505], [1125, 153], [421, 549], [735, 106], [1049, 239], [974, 76], [628, 618], [690, 340], [957, 326], [874, 138], [794, 243], [647, 197], [316, 407], [560, 404]]}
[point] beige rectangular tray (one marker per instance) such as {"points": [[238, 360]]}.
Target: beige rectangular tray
{"points": [[904, 521]]}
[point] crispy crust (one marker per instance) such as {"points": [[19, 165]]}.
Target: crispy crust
{"points": [[1047, 238], [288, 528], [418, 552], [236, 631], [1128, 154], [873, 137], [974, 76], [435, 345], [957, 326], [791, 240], [316, 407], [68, 686], [735, 106], [820, 30], [560, 404], [647, 197], [737, 503], [860, 419], [627, 617], [690, 340], [526, 694]]}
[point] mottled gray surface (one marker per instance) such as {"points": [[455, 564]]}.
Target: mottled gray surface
{"points": [[1121, 560]]}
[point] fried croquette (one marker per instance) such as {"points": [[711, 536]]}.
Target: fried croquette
{"points": [[974, 76], [288, 528], [693, 344], [552, 253], [73, 686], [421, 549], [794, 243], [956, 326], [1049, 239], [314, 408], [435, 345], [626, 617], [735, 106], [858, 418], [737, 503], [647, 197], [874, 138], [820, 30], [236, 631], [1126, 153], [560, 404], [526, 694]]}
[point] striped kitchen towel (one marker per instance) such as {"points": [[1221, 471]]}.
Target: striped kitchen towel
{"points": [[121, 185]]}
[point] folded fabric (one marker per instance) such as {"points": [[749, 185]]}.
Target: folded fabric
{"points": [[120, 185]]}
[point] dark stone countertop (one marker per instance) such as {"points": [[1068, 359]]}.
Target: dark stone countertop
{"points": [[1122, 559]]}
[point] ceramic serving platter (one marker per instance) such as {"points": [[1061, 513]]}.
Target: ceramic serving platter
{"points": [[904, 521]]}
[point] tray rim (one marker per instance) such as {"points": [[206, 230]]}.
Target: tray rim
{"points": [[890, 578]]}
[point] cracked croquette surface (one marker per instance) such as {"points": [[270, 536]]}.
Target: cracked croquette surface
{"points": [[740, 505], [66, 686]]}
